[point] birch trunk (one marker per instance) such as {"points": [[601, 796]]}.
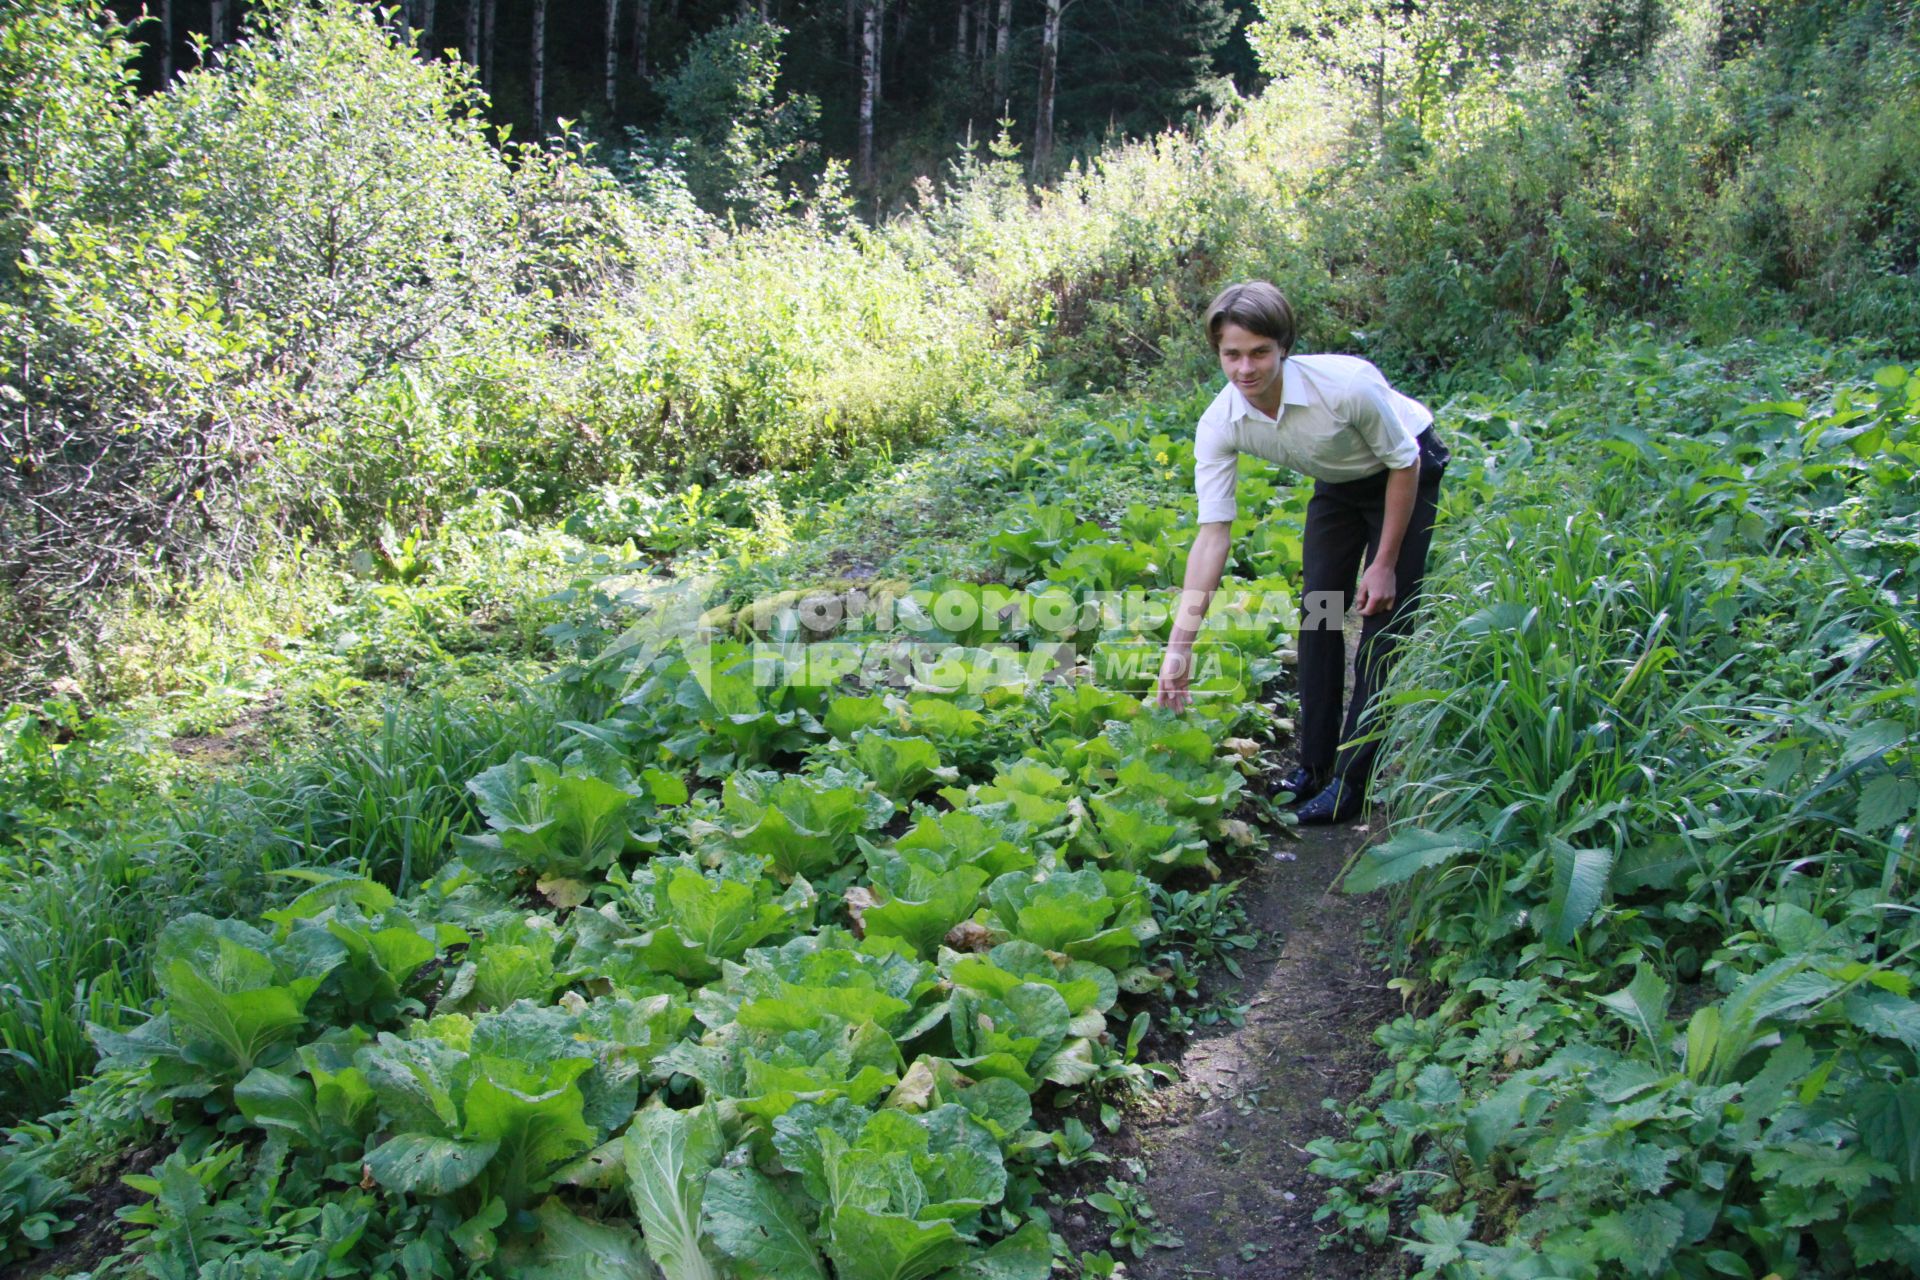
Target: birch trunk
{"points": [[217, 23], [879, 47], [472, 42], [613, 55], [1043, 113], [166, 42], [1002, 49], [539, 68], [426, 25], [869, 84]]}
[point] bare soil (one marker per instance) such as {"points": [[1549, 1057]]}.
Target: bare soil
{"points": [[1225, 1148], [246, 738]]}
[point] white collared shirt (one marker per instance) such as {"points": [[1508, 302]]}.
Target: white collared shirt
{"points": [[1339, 420]]}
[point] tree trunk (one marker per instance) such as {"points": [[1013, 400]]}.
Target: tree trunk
{"points": [[613, 56], [642, 20], [879, 48], [1380, 82], [869, 84], [1002, 50], [1043, 112], [166, 42], [426, 26], [960, 34], [487, 42], [539, 68], [472, 49], [217, 23]]}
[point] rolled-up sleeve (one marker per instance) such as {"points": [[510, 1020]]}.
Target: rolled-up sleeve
{"points": [[1388, 421], [1216, 472]]}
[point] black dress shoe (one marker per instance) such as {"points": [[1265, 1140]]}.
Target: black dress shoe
{"points": [[1337, 803], [1302, 782]]}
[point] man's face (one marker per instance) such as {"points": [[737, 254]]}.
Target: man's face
{"points": [[1251, 363]]}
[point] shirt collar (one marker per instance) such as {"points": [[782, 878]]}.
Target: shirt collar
{"points": [[1293, 391]]}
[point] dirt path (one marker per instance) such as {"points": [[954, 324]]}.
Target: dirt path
{"points": [[1226, 1169]]}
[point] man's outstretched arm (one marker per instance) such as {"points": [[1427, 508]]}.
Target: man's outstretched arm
{"points": [[1205, 563]]}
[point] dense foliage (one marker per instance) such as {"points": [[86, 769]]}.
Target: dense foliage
{"points": [[1658, 855]]}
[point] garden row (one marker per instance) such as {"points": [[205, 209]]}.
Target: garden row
{"points": [[770, 956]]}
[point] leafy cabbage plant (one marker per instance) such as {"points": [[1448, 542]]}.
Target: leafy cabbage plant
{"points": [[487, 1111], [901, 1195], [232, 998], [918, 895], [901, 767], [803, 827], [1104, 917], [564, 824], [819, 1017], [680, 918], [750, 703]]}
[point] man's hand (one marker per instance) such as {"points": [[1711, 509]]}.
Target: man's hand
{"points": [[1175, 669], [1377, 590]]}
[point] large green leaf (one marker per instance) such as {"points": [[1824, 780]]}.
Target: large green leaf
{"points": [[1579, 884], [565, 1246], [1027, 1254], [865, 1245], [234, 995], [1882, 1013], [759, 1227], [413, 1081], [669, 1156], [1135, 830], [279, 1103], [1399, 857], [552, 822], [1102, 917], [1085, 987], [1641, 1238], [1024, 1028], [1887, 1118], [985, 837], [427, 1166], [921, 898], [1642, 1005]]}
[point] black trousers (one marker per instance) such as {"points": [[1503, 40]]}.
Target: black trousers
{"points": [[1342, 532]]}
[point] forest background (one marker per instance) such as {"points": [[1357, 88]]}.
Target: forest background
{"points": [[320, 288]]}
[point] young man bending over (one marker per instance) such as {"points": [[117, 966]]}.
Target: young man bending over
{"points": [[1376, 466]]}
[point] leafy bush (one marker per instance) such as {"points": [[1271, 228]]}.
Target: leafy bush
{"points": [[209, 291]]}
